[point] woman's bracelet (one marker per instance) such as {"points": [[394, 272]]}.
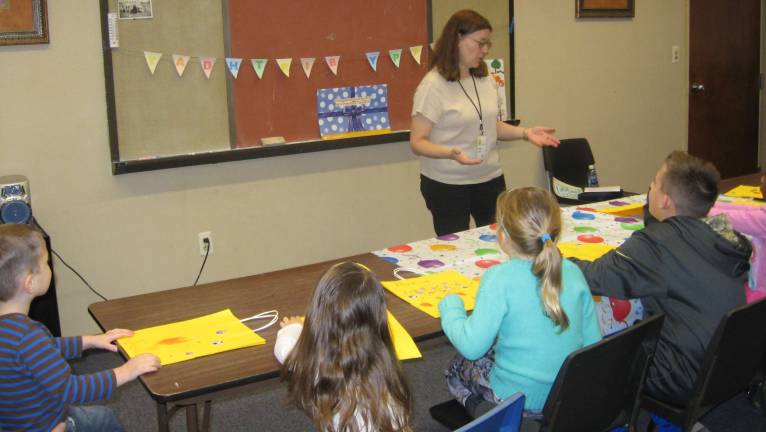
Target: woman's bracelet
{"points": [[525, 134]]}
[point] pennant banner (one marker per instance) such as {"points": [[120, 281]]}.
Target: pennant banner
{"points": [[284, 65], [396, 56], [233, 65], [152, 58], [259, 65], [180, 62], [416, 51], [207, 64], [332, 62], [372, 57], [308, 64]]}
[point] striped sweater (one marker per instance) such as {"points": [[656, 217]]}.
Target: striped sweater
{"points": [[36, 382]]}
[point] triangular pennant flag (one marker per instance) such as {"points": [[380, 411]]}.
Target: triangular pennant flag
{"points": [[207, 64], [396, 56], [284, 65], [152, 58], [259, 65], [307, 63], [233, 64], [332, 62], [372, 57], [180, 62], [416, 51]]}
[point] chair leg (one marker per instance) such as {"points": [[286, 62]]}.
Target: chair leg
{"points": [[756, 394]]}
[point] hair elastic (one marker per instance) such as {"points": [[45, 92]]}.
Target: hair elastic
{"points": [[545, 237]]}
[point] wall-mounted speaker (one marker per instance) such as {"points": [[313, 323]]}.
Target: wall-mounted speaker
{"points": [[15, 200]]}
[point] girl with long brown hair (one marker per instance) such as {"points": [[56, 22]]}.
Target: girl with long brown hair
{"points": [[531, 311], [340, 364]]}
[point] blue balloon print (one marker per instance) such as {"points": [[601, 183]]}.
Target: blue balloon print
{"points": [[583, 215]]}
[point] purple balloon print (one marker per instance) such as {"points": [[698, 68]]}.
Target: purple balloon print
{"points": [[625, 219], [430, 263]]}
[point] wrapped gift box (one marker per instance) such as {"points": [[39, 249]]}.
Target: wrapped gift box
{"points": [[345, 112]]}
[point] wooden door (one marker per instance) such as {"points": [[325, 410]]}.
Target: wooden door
{"points": [[724, 39]]}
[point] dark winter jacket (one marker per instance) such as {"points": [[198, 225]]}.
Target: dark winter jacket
{"points": [[693, 271]]}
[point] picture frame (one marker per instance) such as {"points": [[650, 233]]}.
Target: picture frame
{"points": [[23, 22], [605, 8], [134, 9]]}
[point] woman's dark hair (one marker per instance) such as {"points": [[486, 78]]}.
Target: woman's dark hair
{"points": [[343, 372], [446, 56]]}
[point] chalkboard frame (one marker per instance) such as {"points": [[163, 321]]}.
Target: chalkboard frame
{"points": [[120, 166]]}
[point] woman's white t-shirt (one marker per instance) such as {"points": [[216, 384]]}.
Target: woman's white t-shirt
{"points": [[456, 124]]}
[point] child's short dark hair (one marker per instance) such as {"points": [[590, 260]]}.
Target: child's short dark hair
{"points": [[692, 183], [20, 250]]}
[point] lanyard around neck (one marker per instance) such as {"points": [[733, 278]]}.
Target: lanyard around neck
{"points": [[478, 99]]}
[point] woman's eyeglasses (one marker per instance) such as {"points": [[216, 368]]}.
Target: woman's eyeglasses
{"points": [[481, 43]]}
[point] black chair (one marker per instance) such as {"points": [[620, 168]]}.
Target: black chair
{"points": [[733, 360], [597, 387], [569, 163]]}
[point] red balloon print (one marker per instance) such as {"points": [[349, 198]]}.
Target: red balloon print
{"points": [[590, 238], [400, 248], [485, 264], [620, 309]]}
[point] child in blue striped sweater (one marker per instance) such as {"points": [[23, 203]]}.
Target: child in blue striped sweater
{"points": [[36, 383]]}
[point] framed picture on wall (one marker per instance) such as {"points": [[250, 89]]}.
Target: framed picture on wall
{"points": [[23, 22], [605, 8]]}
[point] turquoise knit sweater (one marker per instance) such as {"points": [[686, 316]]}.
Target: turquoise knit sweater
{"points": [[529, 347]]}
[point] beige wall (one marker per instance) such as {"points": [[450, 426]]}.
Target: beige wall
{"points": [[608, 80]]}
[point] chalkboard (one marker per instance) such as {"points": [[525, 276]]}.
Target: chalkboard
{"points": [[164, 119]]}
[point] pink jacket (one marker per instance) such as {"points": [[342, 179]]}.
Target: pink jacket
{"points": [[751, 221]]}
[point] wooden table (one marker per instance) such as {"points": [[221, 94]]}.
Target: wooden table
{"points": [[749, 180], [199, 381]]}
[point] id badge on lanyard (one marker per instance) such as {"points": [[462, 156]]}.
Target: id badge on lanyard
{"points": [[481, 147]]}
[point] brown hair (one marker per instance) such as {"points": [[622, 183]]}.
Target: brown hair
{"points": [[446, 56], [692, 183], [343, 372], [526, 215], [20, 251]]}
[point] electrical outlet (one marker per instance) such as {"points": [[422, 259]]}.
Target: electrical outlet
{"points": [[675, 54], [203, 247]]}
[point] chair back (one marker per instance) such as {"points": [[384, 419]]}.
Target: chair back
{"points": [[569, 161], [598, 386], [734, 357], [506, 417]]}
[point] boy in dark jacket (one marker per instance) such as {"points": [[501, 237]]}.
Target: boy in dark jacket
{"points": [[682, 264]]}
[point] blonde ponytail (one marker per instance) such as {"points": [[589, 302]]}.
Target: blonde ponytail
{"points": [[547, 267], [531, 218]]}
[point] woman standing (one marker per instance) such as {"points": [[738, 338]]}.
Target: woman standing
{"points": [[455, 128]]}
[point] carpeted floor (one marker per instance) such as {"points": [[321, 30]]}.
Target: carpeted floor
{"points": [[263, 409]]}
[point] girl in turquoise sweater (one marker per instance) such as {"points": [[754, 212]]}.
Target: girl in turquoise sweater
{"points": [[531, 311]]}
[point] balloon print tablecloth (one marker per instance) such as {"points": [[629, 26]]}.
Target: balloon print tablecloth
{"points": [[588, 231]]}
